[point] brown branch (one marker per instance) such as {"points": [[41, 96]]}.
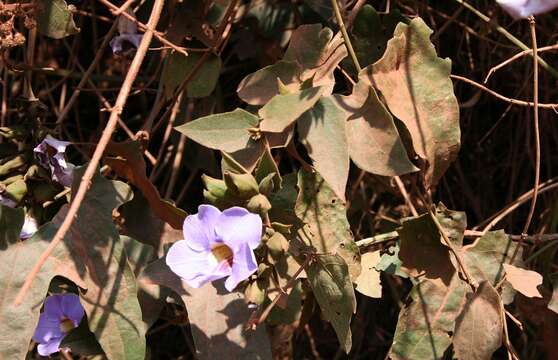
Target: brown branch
{"points": [[536, 128], [517, 56], [145, 27], [99, 150], [502, 97]]}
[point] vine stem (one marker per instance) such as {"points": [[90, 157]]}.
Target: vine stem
{"points": [[99, 150], [532, 26], [85, 77], [345, 35], [536, 125], [508, 36]]}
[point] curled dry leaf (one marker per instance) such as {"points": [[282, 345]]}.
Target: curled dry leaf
{"points": [[524, 281], [416, 86], [313, 53]]}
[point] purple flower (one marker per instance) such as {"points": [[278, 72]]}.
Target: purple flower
{"points": [[50, 153], [128, 31], [524, 8], [61, 313], [217, 244]]}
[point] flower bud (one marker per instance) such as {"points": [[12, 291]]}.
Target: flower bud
{"points": [[241, 185], [259, 204]]}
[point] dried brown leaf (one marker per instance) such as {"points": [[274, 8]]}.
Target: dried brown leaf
{"points": [[524, 281]]}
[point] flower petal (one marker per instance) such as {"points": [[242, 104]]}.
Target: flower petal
{"points": [[525, 8], [72, 308], [6, 201], [237, 226], [222, 270], [59, 145], [194, 267], [199, 229], [50, 347], [47, 328], [244, 265], [53, 306], [117, 43], [30, 226]]}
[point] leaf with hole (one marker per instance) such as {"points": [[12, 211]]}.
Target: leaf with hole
{"points": [[329, 278], [326, 228]]}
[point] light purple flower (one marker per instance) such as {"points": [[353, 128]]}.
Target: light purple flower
{"points": [[6, 201], [128, 31], [30, 227], [217, 244], [50, 153], [61, 313], [524, 8]]}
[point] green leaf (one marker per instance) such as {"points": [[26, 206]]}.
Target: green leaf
{"points": [[329, 278], [416, 86], [374, 142], [371, 32], [311, 57], [282, 110], [322, 131], [259, 87], [217, 317], [478, 330], [425, 324], [179, 67], [55, 19], [227, 131], [368, 282], [485, 259], [92, 256], [11, 222], [326, 228], [390, 262]]}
